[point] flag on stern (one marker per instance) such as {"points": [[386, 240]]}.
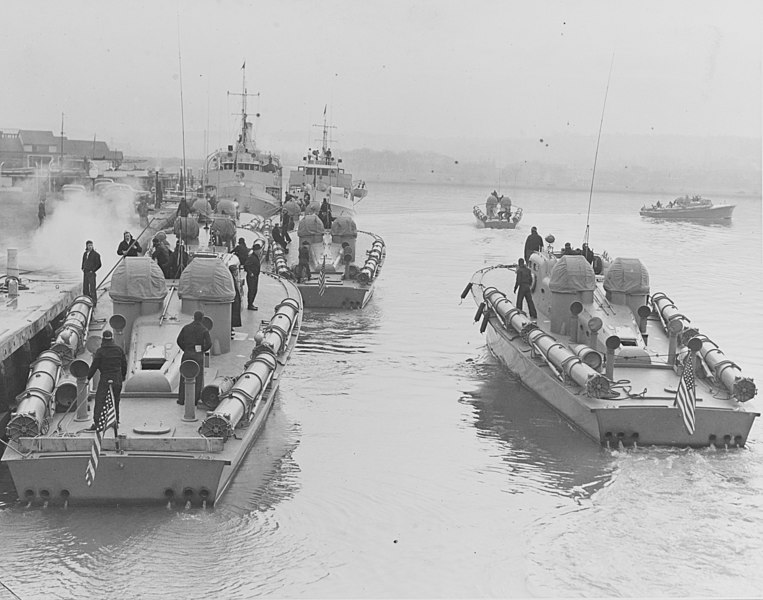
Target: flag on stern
{"points": [[107, 417], [322, 278], [686, 398]]}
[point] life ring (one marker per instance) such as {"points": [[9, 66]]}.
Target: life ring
{"points": [[534, 283], [598, 266]]}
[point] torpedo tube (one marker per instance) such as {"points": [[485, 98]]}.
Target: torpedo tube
{"points": [[239, 402], [371, 266], [559, 356], [74, 330], [280, 266], [724, 370], [35, 402], [669, 312]]}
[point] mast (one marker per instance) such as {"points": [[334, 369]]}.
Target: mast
{"points": [[596, 155], [244, 139]]}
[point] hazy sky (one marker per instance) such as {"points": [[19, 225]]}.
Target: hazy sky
{"points": [[429, 69]]}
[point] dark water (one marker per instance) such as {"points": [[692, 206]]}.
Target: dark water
{"points": [[401, 461]]}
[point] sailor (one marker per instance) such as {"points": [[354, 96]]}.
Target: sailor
{"points": [[111, 361], [303, 266], [588, 253], [346, 259], [194, 340], [241, 251], [270, 167], [659, 204], [524, 284], [491, 203], [505, 203], [41, 212], [143, 212], [129, 246], [281, 238], [324, 214], [162, 257], [533, 243], [252, 268], [91, 262], [567, 250], [183, 209]]}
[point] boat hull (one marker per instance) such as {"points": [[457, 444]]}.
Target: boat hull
{"points": [[487, 222], [349, 295], [721, 211], [617, 423]]}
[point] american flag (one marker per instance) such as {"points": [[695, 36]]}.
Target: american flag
{"points": [[105, 419], [322, 278], [686, 399]]}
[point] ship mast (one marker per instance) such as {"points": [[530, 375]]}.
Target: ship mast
{"points": [[244, 142]]}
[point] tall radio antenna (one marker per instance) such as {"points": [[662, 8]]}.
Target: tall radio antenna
{"points": [[596, 156]]}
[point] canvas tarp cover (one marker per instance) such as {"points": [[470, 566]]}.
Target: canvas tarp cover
{"points": [[310, 225], [206, 279], [137, 278], [572, 274], [344, 225], [187, 228], [627, 275], [226, 207], [224, 227], [292, 208]]}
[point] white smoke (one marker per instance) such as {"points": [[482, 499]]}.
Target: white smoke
{"points": [[58, 245]]}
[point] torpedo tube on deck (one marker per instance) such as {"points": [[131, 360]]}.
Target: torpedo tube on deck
{"points": [[723, 369], [371, 266], [280, 266], [239, 402], [726, 371], [557, 355], [669, 313], [35, 402], [70, 337]]}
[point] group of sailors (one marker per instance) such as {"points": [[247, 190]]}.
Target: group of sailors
{"points": [[493, 202]]}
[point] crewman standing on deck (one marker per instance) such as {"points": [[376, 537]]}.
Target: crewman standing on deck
{"points": [[111, 361], [41, 212], [252, 268], [194, 340], [524, 284], [91, 262], [533, 243]]}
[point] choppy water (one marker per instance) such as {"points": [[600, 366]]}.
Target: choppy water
{"points": [[401, 461]]}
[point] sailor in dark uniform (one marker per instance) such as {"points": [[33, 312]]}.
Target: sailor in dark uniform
{"points": [[280, 237], [129, 246], [524, 284], [194, 340], [91, 262], [252, 268], [534, 243], [241, 251], [111, 361]]}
